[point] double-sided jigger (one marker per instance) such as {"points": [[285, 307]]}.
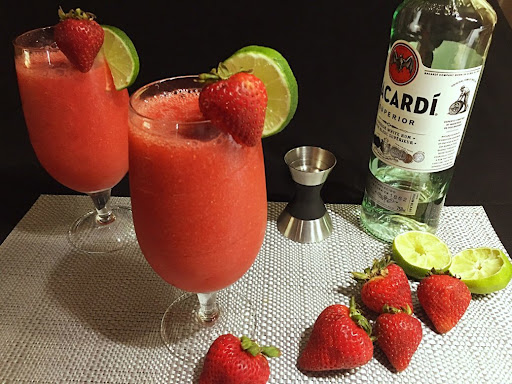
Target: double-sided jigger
{"points": [[305, 219]]}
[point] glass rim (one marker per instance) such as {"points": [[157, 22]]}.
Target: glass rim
{"points": [[139, 91], [24, 46]]}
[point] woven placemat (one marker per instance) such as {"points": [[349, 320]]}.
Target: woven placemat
{"points": [[69, 317]]}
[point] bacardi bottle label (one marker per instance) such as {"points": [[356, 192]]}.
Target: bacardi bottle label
{"points": [[422, 112], [391, 198]]}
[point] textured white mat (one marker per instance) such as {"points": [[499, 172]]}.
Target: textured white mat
{"points": [[69, 317]]}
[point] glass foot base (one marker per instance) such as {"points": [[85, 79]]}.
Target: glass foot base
{"points": [[189, 338], [89, 235]]}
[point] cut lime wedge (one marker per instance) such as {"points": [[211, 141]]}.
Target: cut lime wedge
{"points": [[121, 56], [483, 270], [420, 252], [273, 70]]}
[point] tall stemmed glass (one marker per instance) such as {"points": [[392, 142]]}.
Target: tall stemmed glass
{"points": [[78, 127], [199, 209]]}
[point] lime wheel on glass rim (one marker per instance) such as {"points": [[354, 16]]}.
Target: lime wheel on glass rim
{"points": [[121, 55], [274, 71]]}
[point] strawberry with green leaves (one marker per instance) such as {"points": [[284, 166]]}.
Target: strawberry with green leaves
{"points": [[340, 339], [235, 103], [385, 283], [79, 37], [233, 360], [444, 298], [398, 335]]}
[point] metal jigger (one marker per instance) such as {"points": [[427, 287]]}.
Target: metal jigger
{"points": [[305, 219]]}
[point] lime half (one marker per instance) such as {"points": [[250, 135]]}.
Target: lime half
{"points": [[273, 70], [483, 270], [121, 56], [420, 252]]}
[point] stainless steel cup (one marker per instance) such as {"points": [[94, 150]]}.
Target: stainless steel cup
{"points": [[305, 218]]}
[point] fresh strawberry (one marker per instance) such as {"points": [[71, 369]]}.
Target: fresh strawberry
{"points": [[398, 335], [79, 37], [233, 360], [340, 339], [235, 104], [445, 299], [384, 283]]}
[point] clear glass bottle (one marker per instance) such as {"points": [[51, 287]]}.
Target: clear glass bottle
{"points": [[435, 62]]}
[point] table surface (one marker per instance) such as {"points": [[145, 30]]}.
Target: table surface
{"points": [[71, 317], [499, 215]]}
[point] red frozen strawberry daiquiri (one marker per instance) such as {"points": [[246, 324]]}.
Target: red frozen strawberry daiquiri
{"points": [[77, 118]]}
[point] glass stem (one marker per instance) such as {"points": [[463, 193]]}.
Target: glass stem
{"points": [[101, 200], [208, 310]]}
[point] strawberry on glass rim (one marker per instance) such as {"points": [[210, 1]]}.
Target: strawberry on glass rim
{"points": [[235, 103], [252, 94], [79, 37]]}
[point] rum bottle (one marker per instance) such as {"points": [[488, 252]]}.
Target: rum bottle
{"points": [[435, 61]]}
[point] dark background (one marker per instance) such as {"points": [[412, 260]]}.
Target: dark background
{"points": [[337, 51]]}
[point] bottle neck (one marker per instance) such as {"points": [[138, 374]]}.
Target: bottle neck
{"points": [[451, 7], [434, 27]]}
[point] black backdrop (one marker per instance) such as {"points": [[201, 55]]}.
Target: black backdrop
{"points": [[337, 51]]}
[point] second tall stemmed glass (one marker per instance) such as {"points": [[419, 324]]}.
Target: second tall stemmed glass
{"points": [[78, 127], [199, 209]]}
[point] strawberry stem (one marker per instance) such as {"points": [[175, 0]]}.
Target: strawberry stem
{"points": [[393, 310], [434, 271], [378, 268], [208, 77], [254, 349], [216, 74], [75, 14], [271, 351], [358, 318], [220, 73]]}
